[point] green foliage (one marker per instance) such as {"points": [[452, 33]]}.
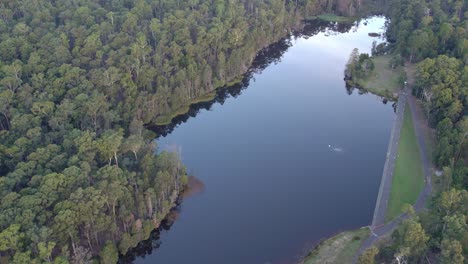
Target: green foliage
{"points": [[109, 253], [368, 257], [358, 66], [451, 252], [411, 242], [45, 250], [440, 83], [10, 238], [125, 243]]}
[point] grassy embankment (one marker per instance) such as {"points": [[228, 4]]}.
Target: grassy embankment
{"points": [[408, 177], [383, 80], [334, 18], [166, 119], [338, 249]]}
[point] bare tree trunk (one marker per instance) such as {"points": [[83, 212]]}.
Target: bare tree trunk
{"points": [[7, 121], [96, 239], [89, 241], [149, 205], [73, 243], [95, 122], [113, 210], [116, 160]]}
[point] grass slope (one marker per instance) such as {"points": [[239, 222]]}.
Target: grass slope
{"points": [[383, 80], [408, 178], [338, 249], [166, 119], [334, 18]]}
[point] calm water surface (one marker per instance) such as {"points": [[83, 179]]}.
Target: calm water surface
{"points": [[294, 158]]}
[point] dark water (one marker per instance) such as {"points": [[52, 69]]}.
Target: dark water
{"points": [[273, 185]]}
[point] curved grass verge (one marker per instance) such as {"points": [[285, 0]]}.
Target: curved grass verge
{"points": [[338, 249], [166, 119], [408, 178], [334, 18]]}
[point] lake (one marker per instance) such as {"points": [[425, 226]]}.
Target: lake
{"points": [[287, 158]]}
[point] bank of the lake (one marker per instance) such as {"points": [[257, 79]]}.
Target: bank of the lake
{"points": [[320, 22], [334, 18], [337, 249]]}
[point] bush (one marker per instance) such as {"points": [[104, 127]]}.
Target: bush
{"points": [[109, 253]]}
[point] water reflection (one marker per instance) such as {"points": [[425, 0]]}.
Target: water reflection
{"points": [[194, 187], [361, 91], [146, 247], [269, 55]]}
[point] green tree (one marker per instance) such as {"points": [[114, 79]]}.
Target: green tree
{"points": [[10, 238], [452, 252], [109, 253], [12, 76], [45, 250], [133, 143], [6, 98], [368, 257], [109, 145], [414, 239]]}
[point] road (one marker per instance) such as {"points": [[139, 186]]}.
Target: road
{"points": [[387, 175], [378, 227], [419, 129]]}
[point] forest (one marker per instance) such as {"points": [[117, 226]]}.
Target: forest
{"points": [[433, 35], [80, 80]]}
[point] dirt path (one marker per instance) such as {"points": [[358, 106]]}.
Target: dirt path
{"points": [[420, 126], [378, 229]]}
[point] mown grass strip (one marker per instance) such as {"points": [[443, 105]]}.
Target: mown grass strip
{"points": [[408, 178]]}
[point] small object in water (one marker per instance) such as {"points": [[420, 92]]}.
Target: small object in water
{"points": [[329, 146], [338, 149]]}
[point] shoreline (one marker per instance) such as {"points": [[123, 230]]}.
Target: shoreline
{"points": [[389, 166], [209, 96], [255, 64], [338, 248]]}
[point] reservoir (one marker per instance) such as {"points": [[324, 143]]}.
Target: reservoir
{"points": [[288, 157]]}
